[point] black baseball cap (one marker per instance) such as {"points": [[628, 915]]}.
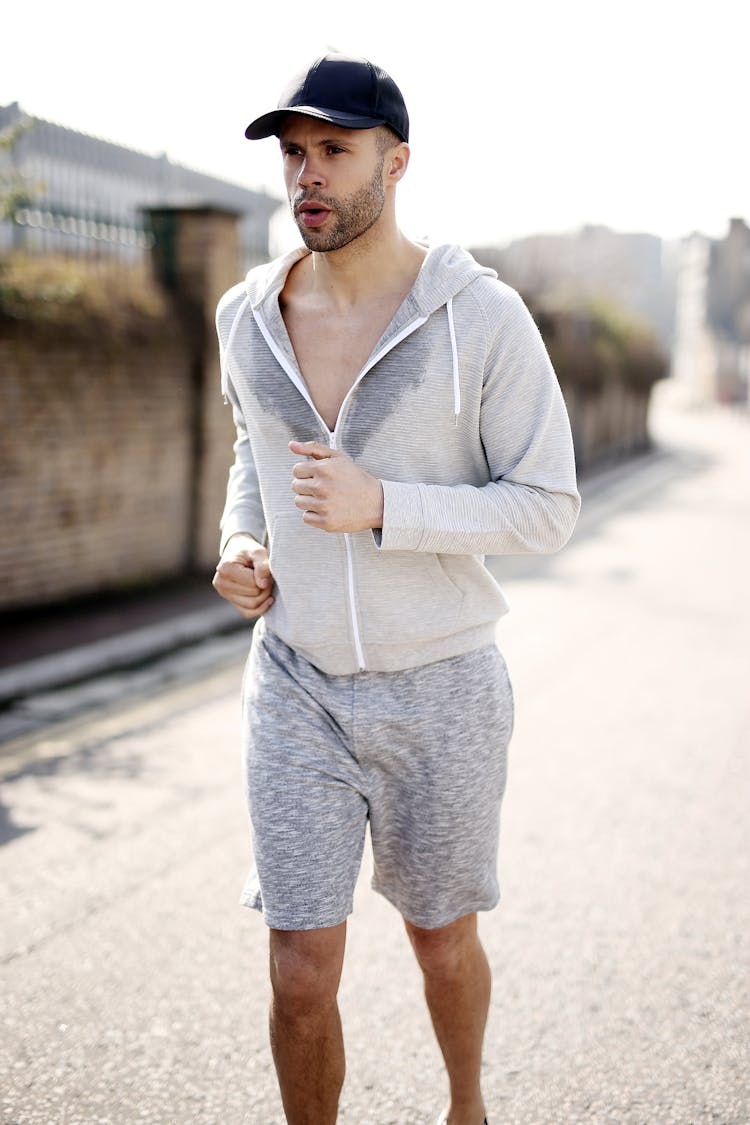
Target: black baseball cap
{"points": [[349, 92]]}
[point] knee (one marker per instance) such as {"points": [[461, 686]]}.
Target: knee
{"points": [[443, 952], [304, 976]]}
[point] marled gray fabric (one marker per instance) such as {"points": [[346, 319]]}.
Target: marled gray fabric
{"points": [[475, 457], [420, 753]]}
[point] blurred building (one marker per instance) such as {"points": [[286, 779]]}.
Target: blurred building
{"points": [[711, 356], [635, 271], [83, 195]]}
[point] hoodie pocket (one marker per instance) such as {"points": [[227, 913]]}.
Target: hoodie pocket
{"points": [[309, 570], [406, 594]]}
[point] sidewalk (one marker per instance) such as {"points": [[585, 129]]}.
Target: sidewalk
{"points": [[61, 645]]}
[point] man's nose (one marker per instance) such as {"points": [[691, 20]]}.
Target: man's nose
{"points": [[310, 174]]}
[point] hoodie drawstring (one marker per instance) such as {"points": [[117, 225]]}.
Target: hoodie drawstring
{"points": [[454, 350], [228, 348]]}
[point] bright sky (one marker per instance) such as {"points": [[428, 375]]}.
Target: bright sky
{"points": [[526, 117]]}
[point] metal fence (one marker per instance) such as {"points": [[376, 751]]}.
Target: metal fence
{"points": [[54, 232], [77, 194]]}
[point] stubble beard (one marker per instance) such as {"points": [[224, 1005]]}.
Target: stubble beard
{"points": [[352, 217]]}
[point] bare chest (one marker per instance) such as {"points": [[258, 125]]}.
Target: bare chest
{"points": [[331, 351]]}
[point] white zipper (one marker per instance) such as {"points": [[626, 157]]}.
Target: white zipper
{"points": [[352, 599], [353, 604], [332, 439], [334, 436]]}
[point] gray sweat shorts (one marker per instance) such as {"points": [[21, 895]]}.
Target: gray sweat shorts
{"points": [[420, 754]]}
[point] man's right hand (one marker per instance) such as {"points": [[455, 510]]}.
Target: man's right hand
{"points": [[244, 577]]}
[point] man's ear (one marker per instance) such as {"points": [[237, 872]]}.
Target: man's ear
{"points": [[397, 161]]}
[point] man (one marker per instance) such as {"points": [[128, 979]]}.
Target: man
{"points": [[397, 419]]}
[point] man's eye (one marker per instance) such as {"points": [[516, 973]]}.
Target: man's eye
{"points": [[334, 149]]}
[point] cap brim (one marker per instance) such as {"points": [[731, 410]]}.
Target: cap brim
{"points": [[269, 125]]}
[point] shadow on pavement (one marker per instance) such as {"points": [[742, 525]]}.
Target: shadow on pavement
{"points": [[84, 759]]}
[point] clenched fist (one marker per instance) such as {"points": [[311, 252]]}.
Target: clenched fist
{"points": [[333, 492], [244, 577]]}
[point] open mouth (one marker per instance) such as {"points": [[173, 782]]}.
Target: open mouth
{"points": [[312, 214]]}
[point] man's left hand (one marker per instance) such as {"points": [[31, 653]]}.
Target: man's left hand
{"points": [[333, 492]]}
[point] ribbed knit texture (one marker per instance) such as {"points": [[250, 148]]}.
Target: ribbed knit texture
{"points": [[497, 478]]}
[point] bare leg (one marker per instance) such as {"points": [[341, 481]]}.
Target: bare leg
{"points": [[306, 1040], [457, 988]]}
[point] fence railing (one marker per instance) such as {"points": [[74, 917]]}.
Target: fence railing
{"points": [[46, 231]]}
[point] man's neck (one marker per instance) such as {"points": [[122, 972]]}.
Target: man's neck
{"points": [[372, 265]]}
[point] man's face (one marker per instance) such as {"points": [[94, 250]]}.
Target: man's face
{"points": [[334, 180]]}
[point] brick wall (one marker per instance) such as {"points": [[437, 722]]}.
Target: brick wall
{"points": [[607, 365], [114, 450], [94, 462], [115, 445], [205, 257], [608, 424]]}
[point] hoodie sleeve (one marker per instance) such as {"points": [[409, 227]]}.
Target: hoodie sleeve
{"points": [[531, 503], [243, 510]]}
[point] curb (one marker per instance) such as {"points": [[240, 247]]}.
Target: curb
{"points": [[125, 650]]}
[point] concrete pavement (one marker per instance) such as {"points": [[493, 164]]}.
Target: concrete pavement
{"points": [[135, 989]]}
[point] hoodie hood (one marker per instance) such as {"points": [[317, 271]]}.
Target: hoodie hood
{"points": [[445, 272]]}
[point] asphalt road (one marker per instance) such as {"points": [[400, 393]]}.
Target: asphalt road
{"points": [[134, 988]]}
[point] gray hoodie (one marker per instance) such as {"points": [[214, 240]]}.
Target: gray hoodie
{"points": [[457, 411]]}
